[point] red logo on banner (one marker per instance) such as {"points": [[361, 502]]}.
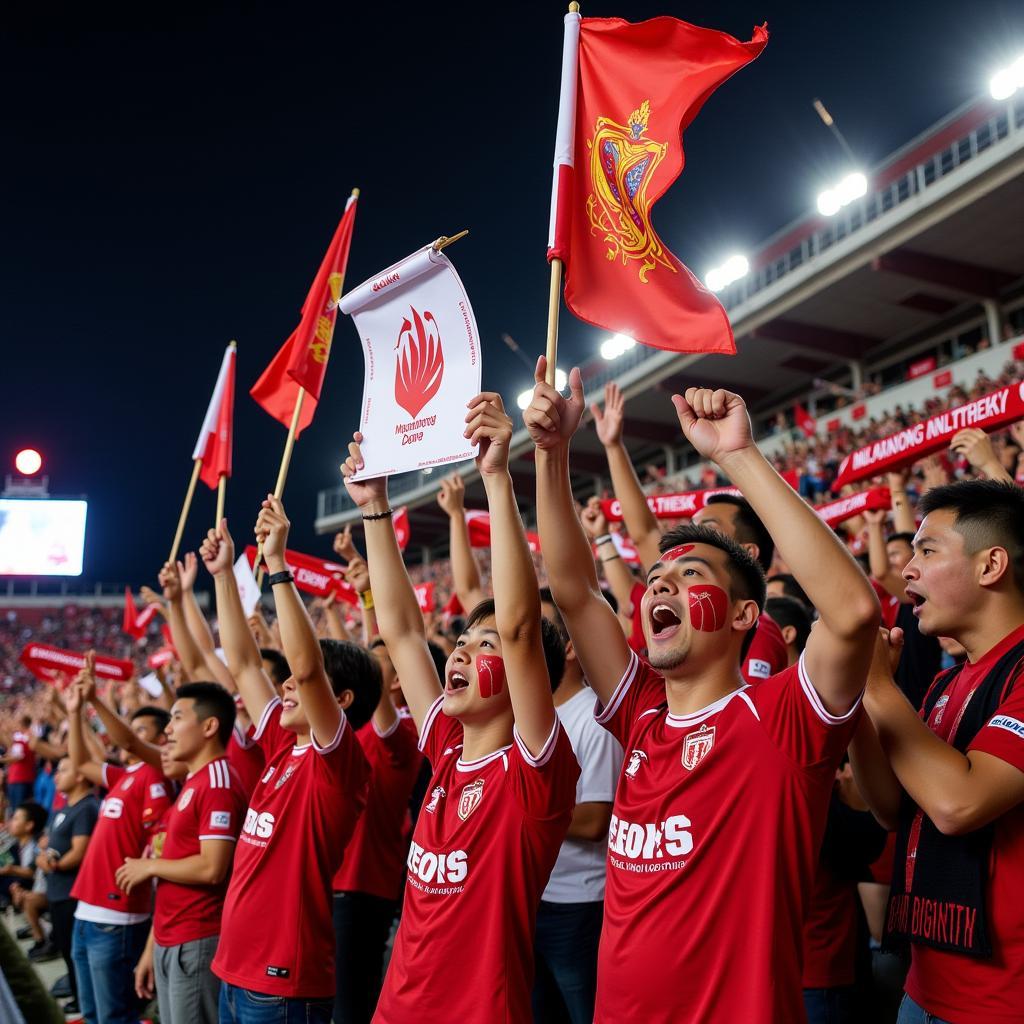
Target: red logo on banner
{"points": [[832, 426], [920, 367], [420, 364], [942, 380], [859, 411]]}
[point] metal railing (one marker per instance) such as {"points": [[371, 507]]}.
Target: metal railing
{"points": [[988, 133]]}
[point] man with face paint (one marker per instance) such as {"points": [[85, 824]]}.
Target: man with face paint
{"points": [[504, 774], [722, 799]]}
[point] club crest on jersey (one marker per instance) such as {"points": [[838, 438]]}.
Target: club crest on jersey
{"points": [[636, 758], [940, 707], [186, 799], [697, 745], [470, 798], [435, 795], [285, 776]]}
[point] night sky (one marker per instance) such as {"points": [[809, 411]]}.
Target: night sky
{"points": [[165, 189]]}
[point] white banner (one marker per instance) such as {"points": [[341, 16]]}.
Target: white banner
{"points": [[422, 365]]}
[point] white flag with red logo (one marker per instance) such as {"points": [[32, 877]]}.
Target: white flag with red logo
{"points": [[422, 365]]}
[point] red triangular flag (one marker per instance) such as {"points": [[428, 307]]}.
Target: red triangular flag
{"points": [[804, 420], [618, 149], [134, 623], [302, 361], [215, 436]]}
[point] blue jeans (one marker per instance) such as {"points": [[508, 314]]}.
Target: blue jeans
{"points": [[18, 793], [105, 956], [243, 1006], [911, 1013], [830, 1005], [566, 961]]}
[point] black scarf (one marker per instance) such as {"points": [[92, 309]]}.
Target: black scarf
{"points": [[942, 904]]}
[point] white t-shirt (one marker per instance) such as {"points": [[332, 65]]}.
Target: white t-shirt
{"points": [[578, 874]]}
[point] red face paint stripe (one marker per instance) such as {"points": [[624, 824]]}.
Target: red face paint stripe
{"points": [[490, 674], [677, 552]]}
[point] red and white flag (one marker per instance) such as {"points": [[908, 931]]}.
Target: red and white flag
{"points": [[135, 622], [479, 525], [49, 663], [628, 92], [314, 575], [161, 656], [301, 362], [421, 353], [806, 423], [425, 597], [400, 520], [213, 445]]}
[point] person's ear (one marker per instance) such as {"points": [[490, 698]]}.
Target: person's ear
{"points": [[345, 699], [789, 635]]}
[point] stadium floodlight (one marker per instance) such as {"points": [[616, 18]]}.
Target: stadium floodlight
{"points": [[28, 462], [616, 345], [524, 398], [832, 200], [731, 270], [1005, 82]]}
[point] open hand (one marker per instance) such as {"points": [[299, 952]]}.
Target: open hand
{"points": [[593, 519], [188, 570], [170, 581], [452, 496], [551, 419], [488, 426], [369, 495], [610, 420]]}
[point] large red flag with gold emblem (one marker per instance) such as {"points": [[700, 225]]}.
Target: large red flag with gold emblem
{"points": [[628, 92], [302, 361]]}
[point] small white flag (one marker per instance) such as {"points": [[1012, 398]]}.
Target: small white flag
{"points": [[151, 684], [422, 365], [247, 589]]}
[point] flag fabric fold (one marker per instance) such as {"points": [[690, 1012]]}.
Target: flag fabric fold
{"points": [[215, 436], [628, 96], [135, 622], [301, 362]]}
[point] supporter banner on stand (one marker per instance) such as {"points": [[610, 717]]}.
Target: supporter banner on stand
{"points": [[915, 442], [835, 512], [479, 524], [49, 663], [421, 350], [314, 575], [681, 505]]}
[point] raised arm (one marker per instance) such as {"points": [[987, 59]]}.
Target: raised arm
{"points": [[975, 446], [615, 570], [298, 637], [118, 729], [513, 577], [641, 524], [902, 513], [244, 661], [398, 612], [878, 558], [193, 664], [593, 627], [465, 573], [198, 627], [838, 652], [78, 752], [358, 575]]}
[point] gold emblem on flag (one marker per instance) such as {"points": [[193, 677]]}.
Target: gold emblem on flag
{"points": [[622, 162]]}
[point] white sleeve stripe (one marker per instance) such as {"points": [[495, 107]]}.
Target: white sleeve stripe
{"points": [[429, 721], [337, 736], [240, 738], [545, 752], [265, 717], [389, 731], [815, 699], [103, 775], [226, 839], [620, 690]]}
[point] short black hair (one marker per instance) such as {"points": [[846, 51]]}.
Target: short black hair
{"points": [[36, 814], [790, 587], [788, 611], [439, 658], [745, 574], [160, 716], [987, 514], [279, 670], [749, 528], [552, 639], [907, 538], [211, 701], [351, 667]]}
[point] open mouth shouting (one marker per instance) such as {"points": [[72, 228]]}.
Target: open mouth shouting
{"points": [[917, 600], [665, 621], [455, 682]]}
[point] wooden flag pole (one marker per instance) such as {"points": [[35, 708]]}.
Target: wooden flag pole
{"points": [[222, 486], [189, 495], [553, 302]]}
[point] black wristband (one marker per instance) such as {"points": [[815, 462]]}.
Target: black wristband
{"points": [[280, 577], [386, 514], [610, 558], [605, 538]]}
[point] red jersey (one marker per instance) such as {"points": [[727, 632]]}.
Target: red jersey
{"points": [[246, 757], [962, 988], [713, 844], [277, 925], [485, 842], [24, 769], [830, 932], [137, 797], [768, 655], [375, 858], [211, 805]]}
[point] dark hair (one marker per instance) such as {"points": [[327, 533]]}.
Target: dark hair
{"points": [[439, 658], [907, 538], [552, 640], [279, 670], [160, 716], [36, 814], [987, 513], [791, 588], [745, 574], [350, 667], [749, 529], [211, 701], [788, 611]]}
